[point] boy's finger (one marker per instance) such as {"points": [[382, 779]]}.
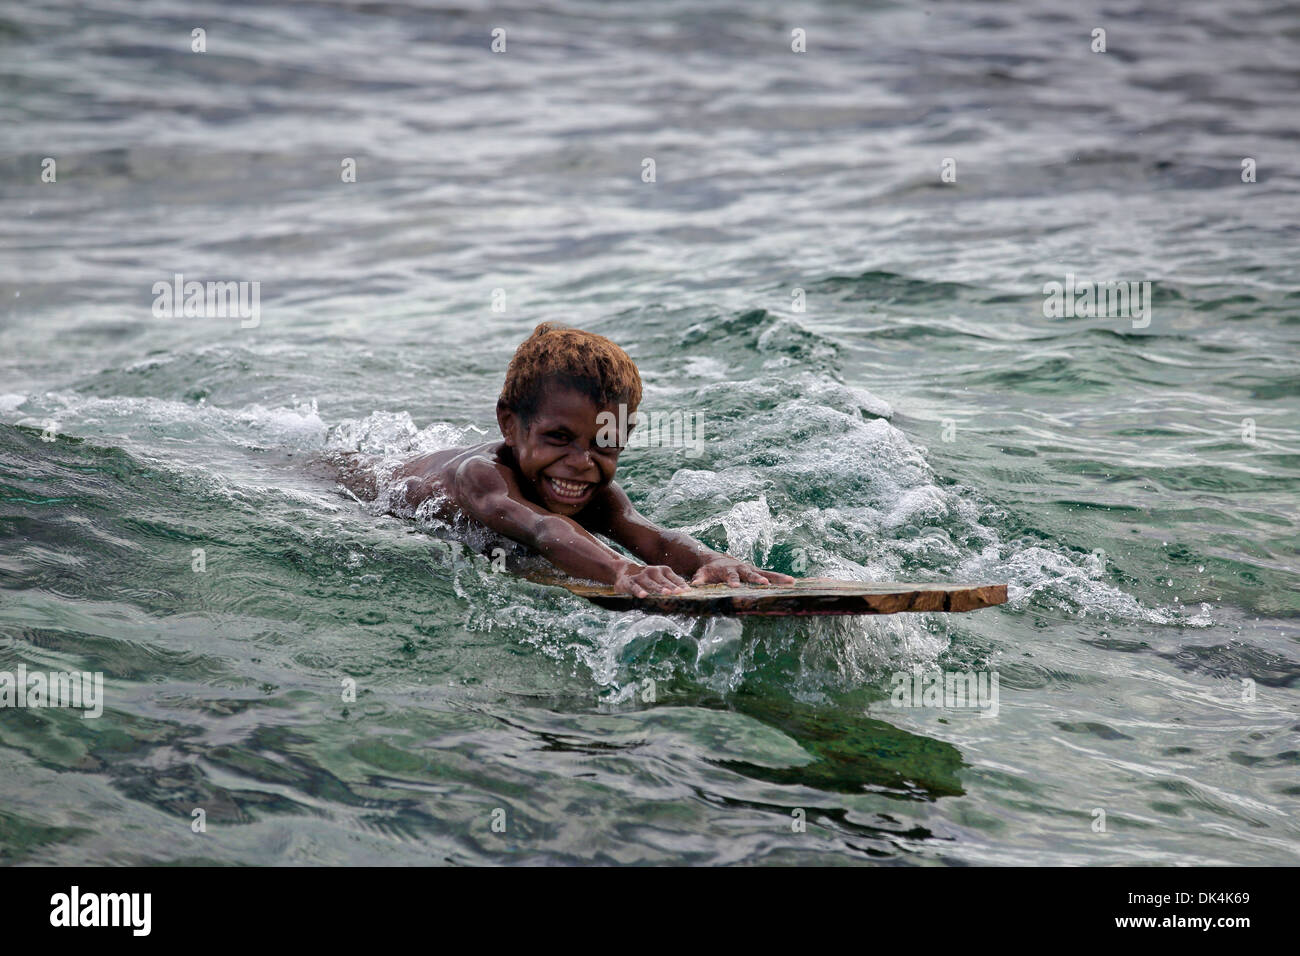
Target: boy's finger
{"points": [[675, 582]]}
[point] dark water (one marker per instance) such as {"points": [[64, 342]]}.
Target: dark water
{"points": [[921, 418]]}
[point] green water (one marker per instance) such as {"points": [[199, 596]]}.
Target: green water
{"points": [[920, 419]]}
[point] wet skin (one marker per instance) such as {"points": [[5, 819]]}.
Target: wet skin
{"points": [[550, 486]]}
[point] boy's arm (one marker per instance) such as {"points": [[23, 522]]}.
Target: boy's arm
{"points": [[617, 518], [486, 495]]}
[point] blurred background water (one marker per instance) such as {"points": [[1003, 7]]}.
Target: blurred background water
{"points": [[920, 419]]}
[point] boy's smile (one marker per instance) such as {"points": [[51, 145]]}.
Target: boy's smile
{"points": [[570, 492], [560, 461]]}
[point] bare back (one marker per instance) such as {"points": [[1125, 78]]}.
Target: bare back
{"points": [[426, 478]]}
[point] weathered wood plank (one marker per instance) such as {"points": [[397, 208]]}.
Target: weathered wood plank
{"points": [[807, 596]]}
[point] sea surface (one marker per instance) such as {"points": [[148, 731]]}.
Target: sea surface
{"points": [[912, 414]]}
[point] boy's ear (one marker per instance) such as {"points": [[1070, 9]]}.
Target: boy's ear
{"points": [[507, 421]]}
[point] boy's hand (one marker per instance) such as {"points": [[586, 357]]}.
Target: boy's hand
{"points": [[641, 580], [731, 572]]}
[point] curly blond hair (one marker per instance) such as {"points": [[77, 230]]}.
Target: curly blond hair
{"points": [[584, 361]]}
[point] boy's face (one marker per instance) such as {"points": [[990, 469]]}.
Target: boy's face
{"points": [[561, 465]]}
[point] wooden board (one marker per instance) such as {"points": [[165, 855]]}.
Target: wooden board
{"points": [[806, 596]]}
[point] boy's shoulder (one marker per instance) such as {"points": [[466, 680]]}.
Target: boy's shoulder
{"points": [[481, 468]]}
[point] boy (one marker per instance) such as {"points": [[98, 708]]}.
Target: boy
{"points": [[550, 483]]}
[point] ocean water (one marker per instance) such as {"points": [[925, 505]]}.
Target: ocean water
{"points": [[1133, 479]]}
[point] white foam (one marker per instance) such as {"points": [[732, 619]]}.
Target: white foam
{"points": [[1042, 575], [705, 366], [749, 526], [393, 434]]}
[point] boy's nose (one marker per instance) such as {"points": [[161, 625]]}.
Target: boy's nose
{"points": [[581, 459]]}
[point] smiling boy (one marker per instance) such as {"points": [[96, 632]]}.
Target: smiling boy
{"points": [[549, 484]]}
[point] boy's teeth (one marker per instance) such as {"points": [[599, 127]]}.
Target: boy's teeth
{"points": [[569, 487]]}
